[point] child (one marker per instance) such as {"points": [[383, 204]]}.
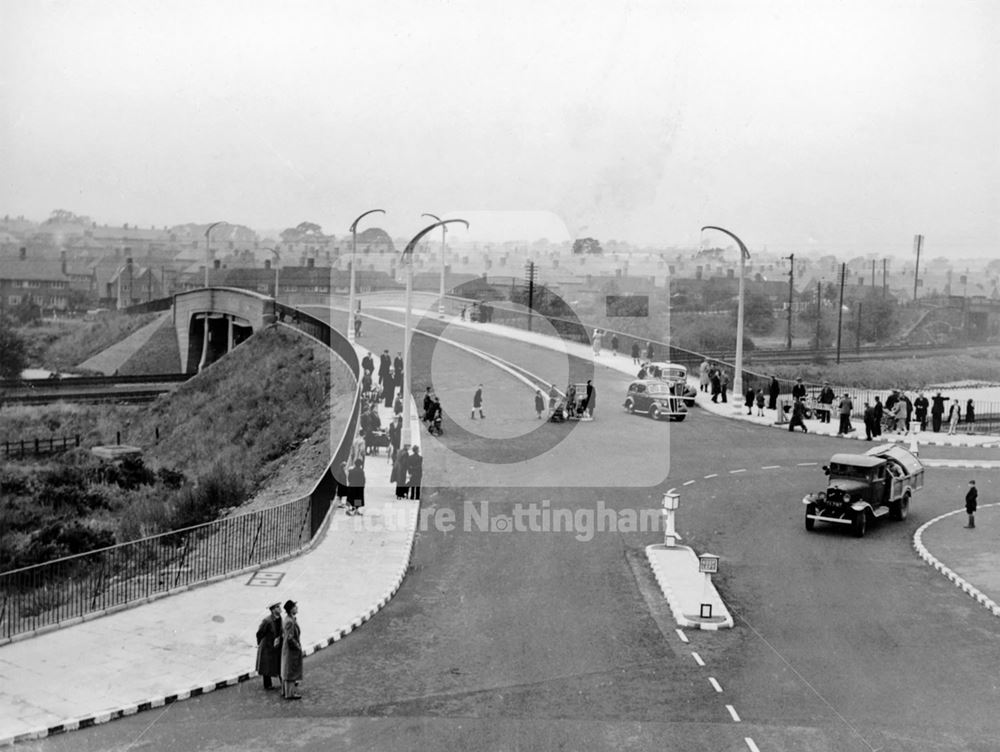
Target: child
{"points": [[760, 403], [539, 403]]}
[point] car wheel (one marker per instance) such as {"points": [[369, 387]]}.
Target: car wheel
{"points": [[629, 406], [810, 523], [654, 412], [860, 524]]}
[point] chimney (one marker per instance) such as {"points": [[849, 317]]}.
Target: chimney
{"points": [[216, 263], [62, 262], [24, 253], [267, 263], [698, 271], [310, 263], [730, 274], [128, 261]]}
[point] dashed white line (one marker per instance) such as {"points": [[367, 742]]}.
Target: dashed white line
{"points": [[680, 633], [697, 659], [688, 482], [770, 467], [750, 743], [713, 475], [807, 464], [741, 470], [715, 684], [732, 712]]}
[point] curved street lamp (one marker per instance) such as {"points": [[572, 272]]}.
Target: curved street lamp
{"points": [[744, 255], [444, 240], [208, 260], [350, 294], [406, 259]]}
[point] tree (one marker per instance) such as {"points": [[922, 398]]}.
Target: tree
{"points": [[758, 314], [13, 351], [586, 245], [879, 319], [303, 231]]}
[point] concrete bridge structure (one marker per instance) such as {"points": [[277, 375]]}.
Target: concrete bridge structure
{"points": [[212, 321]]}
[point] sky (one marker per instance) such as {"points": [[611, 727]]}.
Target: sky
{"points": [[844, 127]]}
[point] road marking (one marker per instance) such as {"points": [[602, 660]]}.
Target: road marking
{"points": [[750, 743], [697, 659], [770, 467], [715, 684], [680, 633], [741, 470], [733, 713], [807, 464], [713, 475], [688, 482]]}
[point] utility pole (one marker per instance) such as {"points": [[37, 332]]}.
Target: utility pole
{"points": [[885, 264], [857, 323], [791, 291], [530, 271], [819, 308], [840, 310], [873, 275], [918, 242]]}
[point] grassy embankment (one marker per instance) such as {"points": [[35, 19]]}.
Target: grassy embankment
{"points": [[62, 345], [207, 447]]}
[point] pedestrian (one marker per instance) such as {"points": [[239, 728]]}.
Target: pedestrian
{"points": [[358, 449], [715, 378], [826, 398], [597, 342], [539, 403], [614, 344], [798, 416], [878, 409], [462, 315], [971, 502], [773, 390], [356, 488], [392, 380], [649, 351], [384, 366], [954, 412], [723, 384], [397, 406], [899, 415], [477, 403], [357, 325], [920, 405], [937, 411], [908, 414], [570, 400], [750, 397], [845, 415], [291, 653], [397, 367], [970, 413], [415, 473], [798, 389], [368, 363], [428, 398], [869, 421], [398, 474], [395, 433], [760, 403], [553, 398], [269, 646], [703, 376], [635, 353], [591, 400], [341, 479]]}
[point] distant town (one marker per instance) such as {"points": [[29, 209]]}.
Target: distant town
{"points": [[69, 263]]}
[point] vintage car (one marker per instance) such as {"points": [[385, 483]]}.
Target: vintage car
{"points": [[656, 399], [863, 487], [674, 374]]}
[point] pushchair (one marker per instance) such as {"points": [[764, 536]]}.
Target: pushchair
{"points": [[558, 413]]}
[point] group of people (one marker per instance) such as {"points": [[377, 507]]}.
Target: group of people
{"points": [[637, 352], [576, 405], [279, 649], [714, 379], [388, 388]]}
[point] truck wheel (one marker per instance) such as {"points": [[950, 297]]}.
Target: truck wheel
{"points": [[810, 523], [860, 524]]}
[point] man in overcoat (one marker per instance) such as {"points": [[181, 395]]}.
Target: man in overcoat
{"points": [[269, 645]]}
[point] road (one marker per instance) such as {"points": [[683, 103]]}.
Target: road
{"points": [[558, 640]]}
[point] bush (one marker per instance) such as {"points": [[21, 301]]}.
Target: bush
{"points": [[219, 489]]}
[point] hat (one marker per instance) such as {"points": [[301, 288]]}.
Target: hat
{"points": [[289, 605], [799, 378], [274, 606]]}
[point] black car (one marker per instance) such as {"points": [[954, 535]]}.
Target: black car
{"points": [[656, 399]]}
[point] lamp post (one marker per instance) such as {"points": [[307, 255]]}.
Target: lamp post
{"points": [[444, 240], [406, 260], [354, 250], [744, 255], [208, 261]]}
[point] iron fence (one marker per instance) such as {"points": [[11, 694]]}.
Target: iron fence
{"points": [[71, 588]]}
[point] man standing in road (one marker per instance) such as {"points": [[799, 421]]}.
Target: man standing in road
{"points": [[269, 646], [477, 403], [971, 502]]}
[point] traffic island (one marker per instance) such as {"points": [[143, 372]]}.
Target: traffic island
{"points": [[685, 581]]}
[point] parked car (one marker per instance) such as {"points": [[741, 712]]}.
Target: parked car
{"points": [[656, 399], [674, 374]]}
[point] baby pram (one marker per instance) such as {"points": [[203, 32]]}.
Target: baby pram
{"points": [[558, 413]]}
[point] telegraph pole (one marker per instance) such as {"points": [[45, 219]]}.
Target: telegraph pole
{"points": [[791, 290], [918, 242], [840, 310], [885, 264], [530, 271], [819, 308]]}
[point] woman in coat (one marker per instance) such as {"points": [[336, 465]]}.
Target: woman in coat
{"points": [[398, 475], [291, 653], [356, 487]]}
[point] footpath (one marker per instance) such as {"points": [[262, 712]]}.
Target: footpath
{"points": [[202, 639]]}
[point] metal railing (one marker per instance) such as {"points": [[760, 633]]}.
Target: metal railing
{"points": [[50, 594]]}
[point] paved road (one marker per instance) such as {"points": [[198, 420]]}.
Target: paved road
{"points": [[539, 640]]}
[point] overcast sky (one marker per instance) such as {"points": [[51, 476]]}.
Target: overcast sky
{"points": [[846, 128]]}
